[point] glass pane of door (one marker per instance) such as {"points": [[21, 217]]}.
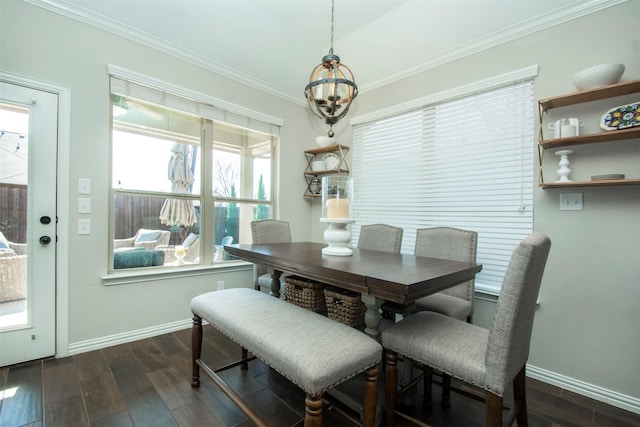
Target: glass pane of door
{"points": [[14, 149]]}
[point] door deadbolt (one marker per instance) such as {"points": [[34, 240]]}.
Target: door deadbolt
{"points": [[45, 220]]}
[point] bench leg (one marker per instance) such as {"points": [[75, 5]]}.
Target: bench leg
{"points": [[245, 356], [370, 399], [313, 410], [196, 350]]}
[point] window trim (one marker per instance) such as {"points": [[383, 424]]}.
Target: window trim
{"points": [[526, 73], [210, 110]]}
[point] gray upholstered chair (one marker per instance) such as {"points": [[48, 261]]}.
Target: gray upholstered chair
{"points": [[380, 237], [268, 231], [457, 302], [488, 358], [457, 245]]}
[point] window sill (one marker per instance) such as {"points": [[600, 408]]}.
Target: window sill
{"points": [[154, 274], [487, 292]]}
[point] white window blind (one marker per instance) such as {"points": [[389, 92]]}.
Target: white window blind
{"points": [[465, 163]]}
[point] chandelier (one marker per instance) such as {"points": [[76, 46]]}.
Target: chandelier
{"points": [[331, 88]]}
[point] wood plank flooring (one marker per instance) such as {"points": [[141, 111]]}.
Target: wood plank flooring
{"points": [[147, 383]]}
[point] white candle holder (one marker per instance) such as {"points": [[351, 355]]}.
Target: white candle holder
{"points": [[337, 236], [336, 211], [564, 171], [179, 252]]}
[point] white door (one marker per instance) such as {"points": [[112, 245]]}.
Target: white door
{"points": [[28, 150]]}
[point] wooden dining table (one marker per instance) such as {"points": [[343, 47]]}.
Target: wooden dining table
{"points": [[377, 276]]}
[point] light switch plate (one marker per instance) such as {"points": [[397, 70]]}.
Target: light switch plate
{"points": [[84, 186], [84, 205], [570, 201], [84, 226]]}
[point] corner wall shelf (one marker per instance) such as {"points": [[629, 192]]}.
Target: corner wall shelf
{"points": [[340, 169], [605, 92]]}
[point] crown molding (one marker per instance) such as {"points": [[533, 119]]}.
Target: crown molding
{"points": [[520, 30], [540, 23], [83, 15]]}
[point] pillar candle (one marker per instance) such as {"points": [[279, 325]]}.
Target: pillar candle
{"points": [[180, 250], [337, 208]]}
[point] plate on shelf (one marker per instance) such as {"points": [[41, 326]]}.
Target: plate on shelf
{"points": [[622, 117], [332, 161]]}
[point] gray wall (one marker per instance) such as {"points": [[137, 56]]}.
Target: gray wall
{"points": [[46, 46], [586, 329], [586, 326]]}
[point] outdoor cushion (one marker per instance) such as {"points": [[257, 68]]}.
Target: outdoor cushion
{"points": [[147, 235], [136, 257], [190, 240]]}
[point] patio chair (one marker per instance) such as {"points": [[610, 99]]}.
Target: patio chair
{"points": [[13, 275], [147, 239], [191, 246]]}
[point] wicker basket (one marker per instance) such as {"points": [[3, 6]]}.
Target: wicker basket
{"points": [[305, 293], [345, 307]]}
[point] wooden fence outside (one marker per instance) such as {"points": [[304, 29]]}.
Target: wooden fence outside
{"points": [[131, 214]]}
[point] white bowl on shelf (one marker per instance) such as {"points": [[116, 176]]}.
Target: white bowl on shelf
{"points": [[324, 140], [598, 75], [318, 165]]}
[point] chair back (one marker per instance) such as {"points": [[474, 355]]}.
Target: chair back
{"points": [[449, 243], [270, 231], [380, 237], [510, 334]]}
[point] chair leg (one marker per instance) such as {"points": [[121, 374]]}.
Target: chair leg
{"points": [[313, 410], [520, 396], [493, 408], [390, 386], [427, 404], [370, 397], [196, 350]]}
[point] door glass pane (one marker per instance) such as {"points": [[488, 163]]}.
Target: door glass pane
{"points": [[14, 149]]}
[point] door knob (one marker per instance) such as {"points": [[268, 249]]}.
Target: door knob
{"points": [[45, 220], [45, 240]]}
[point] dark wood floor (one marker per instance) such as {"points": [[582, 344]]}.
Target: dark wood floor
{"points": [[147, 383]]}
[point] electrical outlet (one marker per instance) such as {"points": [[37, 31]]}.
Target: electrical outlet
{"points": [[220, 285]]}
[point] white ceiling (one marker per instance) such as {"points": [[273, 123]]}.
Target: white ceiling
{"points": [[274, 44]]}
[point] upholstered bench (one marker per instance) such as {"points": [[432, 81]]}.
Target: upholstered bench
{"points": [[310, 350]]}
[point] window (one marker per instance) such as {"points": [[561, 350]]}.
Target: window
{"points": [[462, 161], [187, 176]]}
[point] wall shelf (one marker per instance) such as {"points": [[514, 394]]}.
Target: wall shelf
{"points": [[341, 168], [605, 92]]}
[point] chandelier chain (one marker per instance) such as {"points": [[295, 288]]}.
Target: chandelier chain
{"points": [[332, 9]]}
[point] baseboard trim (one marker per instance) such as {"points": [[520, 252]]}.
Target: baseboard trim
{"points": [[125, 337], [610, 397], [601, 394]]}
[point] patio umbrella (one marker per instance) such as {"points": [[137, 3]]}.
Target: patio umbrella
{"points": [[178, 212]]}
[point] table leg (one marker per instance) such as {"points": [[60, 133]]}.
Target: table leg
{"points": [[372, 315], [275, 283]]}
